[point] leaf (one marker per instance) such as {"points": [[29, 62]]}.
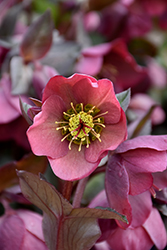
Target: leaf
{"points": [[9, 21], [64, 227], [124, 99], [38, 39], [31, 163], [24, 109], [21, 76]]}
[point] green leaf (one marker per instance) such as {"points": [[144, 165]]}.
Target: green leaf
{"points": [[24, 108], [64, 227], [124, 99]]}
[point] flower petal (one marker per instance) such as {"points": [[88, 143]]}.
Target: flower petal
{"points": [[73, 166], [42, 135], [139, 215], [111, 137], [156, 229], [62, 87], [102, 96], [117, 188], [130, 239], [157, 142]]}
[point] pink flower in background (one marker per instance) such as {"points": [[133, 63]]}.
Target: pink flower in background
{"points": [[129, 170], [111, 60], [81, 119], [140, 105], [21, 229], [41, 75]]}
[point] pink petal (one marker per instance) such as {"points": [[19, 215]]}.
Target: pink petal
{"points": [[62, 86], [89, 64], [7, 111], [32, 221], [73, 166], [130, 239], [157, 142], [111, 137], [117, 188], [141, 208], [42, 135], [139, 182], [31, 241], [12, 232], [145, 160], [156, 229], [103, 97]]}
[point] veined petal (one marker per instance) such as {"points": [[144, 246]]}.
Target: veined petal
{"points": [[117, 188], [62, 87], [73, 166], [43, 136], [111, 137], [157, 142]]}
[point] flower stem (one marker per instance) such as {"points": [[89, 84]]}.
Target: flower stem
{"points": [[79, 192], [67, 189]]}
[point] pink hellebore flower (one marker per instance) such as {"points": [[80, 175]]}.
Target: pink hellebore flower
{"points": [[143, 232], [113, 61], [151, 233], [129, 170], [21, 230], [81, 119], [140, 105]]}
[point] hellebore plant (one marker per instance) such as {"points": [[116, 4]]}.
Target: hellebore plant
{"points": [[80, 120], [80, 126]]}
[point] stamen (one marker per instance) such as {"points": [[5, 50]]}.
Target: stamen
{"points": [[65, 137], [91, 110], [61, 122], [80, 145], [69, 146], [100, 115], [82, 106], [87, 142], [63, 127], [153, 193], [67, 114], [96, 135], [100, 124], [73, 108]]}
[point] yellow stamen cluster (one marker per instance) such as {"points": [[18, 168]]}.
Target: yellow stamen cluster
{"points": [[81, 125]]}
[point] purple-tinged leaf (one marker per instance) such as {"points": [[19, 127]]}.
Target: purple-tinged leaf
{"points": [[30, 162], [64, 227], [38, 38]]}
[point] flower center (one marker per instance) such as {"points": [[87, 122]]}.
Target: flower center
{"points": [[81, 124]]}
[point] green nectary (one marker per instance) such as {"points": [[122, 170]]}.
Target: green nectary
{"points": [[81, 124]]}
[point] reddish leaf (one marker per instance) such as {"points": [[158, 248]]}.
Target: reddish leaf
{"points": [[64, 227], [30, 163], [38, 38]]}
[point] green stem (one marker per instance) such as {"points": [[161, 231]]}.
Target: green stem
{"points": [[79, 192]]}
